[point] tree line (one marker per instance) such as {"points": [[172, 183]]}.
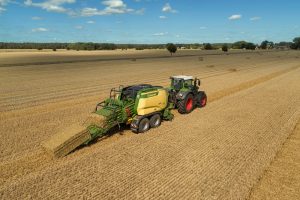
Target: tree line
{"points": [[78, 46], [111, 46]]}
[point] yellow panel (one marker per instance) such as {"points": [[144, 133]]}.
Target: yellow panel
{"points": [[153, 103]]}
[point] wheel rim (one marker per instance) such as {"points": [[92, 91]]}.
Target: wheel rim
{"points": [[203, 101], [189, 104], [146, 126], [156, 123]]}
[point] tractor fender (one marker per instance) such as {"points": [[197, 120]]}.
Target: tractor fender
{"points": [[182, 94]]}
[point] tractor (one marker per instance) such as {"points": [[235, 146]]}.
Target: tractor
{"points": [[141, 106], [185, 95]]}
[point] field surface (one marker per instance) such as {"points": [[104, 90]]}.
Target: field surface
{"points": [[282, 178], [221, 151]]}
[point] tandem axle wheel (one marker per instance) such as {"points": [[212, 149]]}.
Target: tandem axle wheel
{"points": [[144, 123]]}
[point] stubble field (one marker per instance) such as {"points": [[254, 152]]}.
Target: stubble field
{"points": [[218, 152]]}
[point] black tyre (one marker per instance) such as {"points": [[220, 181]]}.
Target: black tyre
{"points": [[186, 105], [202, 100], [144, 125], [155, 121]]}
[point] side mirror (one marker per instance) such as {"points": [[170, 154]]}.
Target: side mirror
{"points": [[197, 82]]}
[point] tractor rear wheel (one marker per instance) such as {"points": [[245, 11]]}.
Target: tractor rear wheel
{"points": [[144, 125], [202, 100], [155, 121], [186, 105]]}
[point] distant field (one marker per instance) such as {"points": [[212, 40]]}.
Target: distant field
{"points": [[16, 57], [218, 152]]}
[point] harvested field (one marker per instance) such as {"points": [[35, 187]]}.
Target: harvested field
{"points": [[281, 180], [218, 152]]}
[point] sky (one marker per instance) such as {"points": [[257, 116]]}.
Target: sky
{"points": [[149, 21]]}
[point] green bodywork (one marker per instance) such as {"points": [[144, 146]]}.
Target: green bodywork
{"points": [[167, 114]]}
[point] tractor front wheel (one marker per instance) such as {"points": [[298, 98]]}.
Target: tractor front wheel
{"points": [[144, 125], [186, 105]]}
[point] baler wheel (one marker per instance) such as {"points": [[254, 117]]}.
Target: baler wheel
{"points": [[144, 125], [155, 121]]}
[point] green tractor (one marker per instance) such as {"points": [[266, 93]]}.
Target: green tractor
{"points": [[185, 95], [141, 106]]}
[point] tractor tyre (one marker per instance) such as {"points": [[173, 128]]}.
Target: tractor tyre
{"points": [[155, 121], [144, 125], [202, 99], [186, 105]]}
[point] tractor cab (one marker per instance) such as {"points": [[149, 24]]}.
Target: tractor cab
{"points": [[184, 83]]}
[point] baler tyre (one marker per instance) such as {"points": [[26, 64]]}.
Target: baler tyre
{"points": [[203, 100], [186, 105], [144, 125], [155, 121]]}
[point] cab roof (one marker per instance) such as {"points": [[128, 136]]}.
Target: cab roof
{"points": [[182, 77]]}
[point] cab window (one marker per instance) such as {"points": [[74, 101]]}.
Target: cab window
{"points": [[188, 83], [177, 83]]}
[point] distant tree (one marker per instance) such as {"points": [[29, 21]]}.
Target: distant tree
{"points": [[225, 48], [107, 46], [39, 48], [53, 49], [266, 44], [296, 43], [294, 46], [195, 46], [250, 46], [243, 45], [239, 45], [171, 48], [208, 46], [296, 40]]}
